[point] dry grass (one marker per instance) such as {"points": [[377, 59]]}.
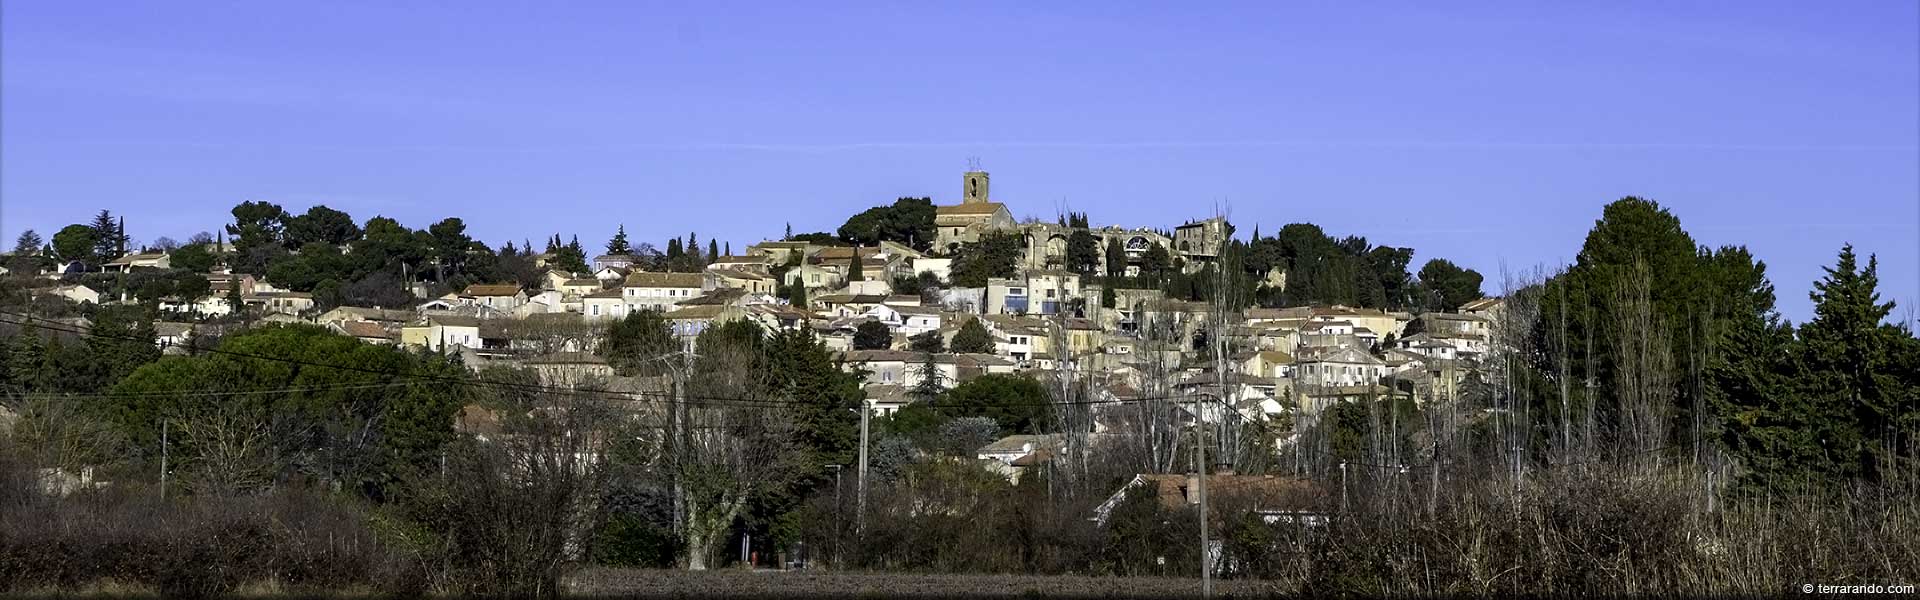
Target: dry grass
{"points": [[850, 584]]}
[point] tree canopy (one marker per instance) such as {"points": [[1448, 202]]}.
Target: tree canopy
{"points": [[907, 221]]}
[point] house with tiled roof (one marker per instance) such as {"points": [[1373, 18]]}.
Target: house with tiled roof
{"points": [[576, 287], [1339, 366], [849, 305], [688, 322], [1272, 364], [616, 261], [282, 303], [660, 292], [78, 293], [604, 305], [905, 320], [566, 369], [498, 296], [172, 337], [143, 260], [750, 280], [365, 331], [611, 275]]}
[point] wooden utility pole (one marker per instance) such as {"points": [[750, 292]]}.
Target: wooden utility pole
{"points": [[1200, 493], [861, 509], [163, 458], [679, 449]]}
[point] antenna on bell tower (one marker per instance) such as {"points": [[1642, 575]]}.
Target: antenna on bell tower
{"points": [[974, 190]]}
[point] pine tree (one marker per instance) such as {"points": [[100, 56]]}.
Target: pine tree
{"points": [[25, 364], [933, 383], [29, 242], [973, 338], [693, 247], [1852, 373], [618, 245], [930, 342], [108, 239]]}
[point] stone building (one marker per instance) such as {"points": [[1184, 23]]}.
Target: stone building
{"points": [[973, 217], [1201, 241]]}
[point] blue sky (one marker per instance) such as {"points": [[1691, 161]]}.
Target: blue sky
{"points": [[1487, 133]]}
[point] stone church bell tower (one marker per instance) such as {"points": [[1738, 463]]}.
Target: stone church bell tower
{"points": [[975, 190]]}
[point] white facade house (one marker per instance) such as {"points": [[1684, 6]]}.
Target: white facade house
{"points": [[660, 292], [604, 305], [1339, 367], [77, 293], [498, 296], [905, 320]]}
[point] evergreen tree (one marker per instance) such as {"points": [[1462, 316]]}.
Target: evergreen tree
{"points": [[854, 270], [76, 242], [1116, 258], [29, 242], [1107, 297], [797, 295], [827, 399], [929, 342], [1155, 262], [26, 363], [973, 338], [1083, 252], [872, 335], [235, 302], [1750, 387], [933, 382], [618, 245], [674, 252], [109, 238], [636, 344], [1448, 286], [1857, 377], [713, 251]]}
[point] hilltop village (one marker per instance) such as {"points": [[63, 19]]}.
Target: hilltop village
{"points": [[911, 302]]}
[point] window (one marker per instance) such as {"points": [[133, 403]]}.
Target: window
{"points": [[1014, 291], [1049, 292]]}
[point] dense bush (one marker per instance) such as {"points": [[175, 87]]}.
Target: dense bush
{"points": [[294, 540]]}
